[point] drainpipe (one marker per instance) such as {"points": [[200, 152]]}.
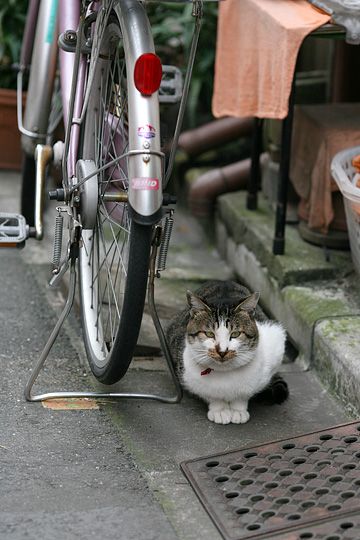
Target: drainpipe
{"points": [[214, 134], [208, 186]]}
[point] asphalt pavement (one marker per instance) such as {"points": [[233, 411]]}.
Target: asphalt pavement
{"points": [[113, 470]]}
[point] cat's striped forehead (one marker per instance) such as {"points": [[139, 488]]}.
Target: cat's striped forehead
{"points": [[217, 316], [214, 315]]}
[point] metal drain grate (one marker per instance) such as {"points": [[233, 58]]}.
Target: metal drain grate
{"points": [[307, 487]]}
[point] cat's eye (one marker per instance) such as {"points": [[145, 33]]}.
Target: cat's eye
{"points": [[235, 334], [210, 334]]}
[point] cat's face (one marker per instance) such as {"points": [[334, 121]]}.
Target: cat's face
{"points": [[223, 338]]}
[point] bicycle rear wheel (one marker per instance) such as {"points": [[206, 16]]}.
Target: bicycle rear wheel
{"points": [[114, 252]]}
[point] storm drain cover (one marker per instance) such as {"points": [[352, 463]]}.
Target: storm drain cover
{"points": [[306, 487]]}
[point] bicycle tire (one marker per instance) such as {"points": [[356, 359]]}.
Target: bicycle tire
{"points": [[113, 274]]}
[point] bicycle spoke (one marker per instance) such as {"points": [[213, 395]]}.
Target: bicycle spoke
{"points": [[116, 239], [109, 273], [109, 300], [97, 284], [103, 211]]}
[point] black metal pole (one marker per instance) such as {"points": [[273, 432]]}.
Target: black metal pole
{"points": [[255, 171], [282, 193]]}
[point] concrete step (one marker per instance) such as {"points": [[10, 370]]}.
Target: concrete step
{"points": [[315, 298]]}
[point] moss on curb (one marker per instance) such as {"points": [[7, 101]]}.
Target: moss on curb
{"points": [[312, 305], [301, 261]]}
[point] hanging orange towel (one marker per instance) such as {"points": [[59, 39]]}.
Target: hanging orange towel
{"points": [[257, 45]]}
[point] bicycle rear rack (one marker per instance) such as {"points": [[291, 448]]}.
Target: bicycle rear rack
{"points": [[171, 87], [105, 395]]}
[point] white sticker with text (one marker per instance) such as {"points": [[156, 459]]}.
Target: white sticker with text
{"points": [[145, 183]]}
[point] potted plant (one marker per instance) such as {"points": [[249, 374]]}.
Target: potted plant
{"points": [[12, 20]]}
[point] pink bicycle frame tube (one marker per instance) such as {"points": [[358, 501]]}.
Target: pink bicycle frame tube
{"points": [[69, 15]]}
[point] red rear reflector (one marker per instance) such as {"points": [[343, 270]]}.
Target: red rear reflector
{"points": [[148, 73]]}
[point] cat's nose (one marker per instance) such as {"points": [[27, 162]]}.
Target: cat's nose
{"points": [[220, 352]]}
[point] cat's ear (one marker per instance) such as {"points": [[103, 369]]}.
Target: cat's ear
{"points": [[195, 303], [249, 304]]}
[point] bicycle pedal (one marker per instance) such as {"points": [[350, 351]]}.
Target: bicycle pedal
{"points": [[171, 86], [13, 230]]}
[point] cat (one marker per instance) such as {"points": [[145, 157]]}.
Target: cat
{"points": [[225, 350]]}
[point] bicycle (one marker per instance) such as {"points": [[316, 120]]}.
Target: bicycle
{"points": [[113, 165]]}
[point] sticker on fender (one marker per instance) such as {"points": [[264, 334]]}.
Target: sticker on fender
{"points": [[145, 183], [146, 132]]}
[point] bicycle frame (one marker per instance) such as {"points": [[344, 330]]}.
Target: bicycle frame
{"points": [[39, 39], [145, 159]]}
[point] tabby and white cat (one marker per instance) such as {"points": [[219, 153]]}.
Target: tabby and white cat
{"points": [[226, 351]]}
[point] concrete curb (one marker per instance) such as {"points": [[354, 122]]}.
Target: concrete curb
{"points": [[312, 297]]}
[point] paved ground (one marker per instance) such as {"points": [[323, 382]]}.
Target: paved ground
{"points": [[114, 470]]}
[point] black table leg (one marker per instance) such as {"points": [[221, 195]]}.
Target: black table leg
{"points": [[281, 202], [255, 171]]}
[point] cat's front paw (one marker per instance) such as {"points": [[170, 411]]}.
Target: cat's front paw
{"points": [[220, 417], [239, 417]]}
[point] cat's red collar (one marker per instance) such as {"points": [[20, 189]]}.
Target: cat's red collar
{"points": [[206, 371]]}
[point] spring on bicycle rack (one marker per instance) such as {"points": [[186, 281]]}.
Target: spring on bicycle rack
{"points": [[59, 221], [164, 247]]}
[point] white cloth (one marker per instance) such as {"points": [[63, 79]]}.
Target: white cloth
{"points": [[343, 12]]}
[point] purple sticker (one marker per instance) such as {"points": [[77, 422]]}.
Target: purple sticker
{"points": [[147, 131]]}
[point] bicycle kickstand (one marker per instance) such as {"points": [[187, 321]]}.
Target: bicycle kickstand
{"points": [[104, 395]]}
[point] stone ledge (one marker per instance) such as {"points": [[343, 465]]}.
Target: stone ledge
{"points": [[307, 308], [301, 261], [336, 357]]}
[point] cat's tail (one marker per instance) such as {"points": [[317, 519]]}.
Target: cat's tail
{"points": [[277, 391]]}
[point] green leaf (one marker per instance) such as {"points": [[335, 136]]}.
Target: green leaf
{"points": [[172, 26], [12, 21]]}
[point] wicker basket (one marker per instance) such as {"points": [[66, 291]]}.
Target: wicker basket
{"points": [[346, 177]]}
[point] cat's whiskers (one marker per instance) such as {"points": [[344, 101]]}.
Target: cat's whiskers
{"points": [[203, 361], [199, 351], [201, 357]]}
